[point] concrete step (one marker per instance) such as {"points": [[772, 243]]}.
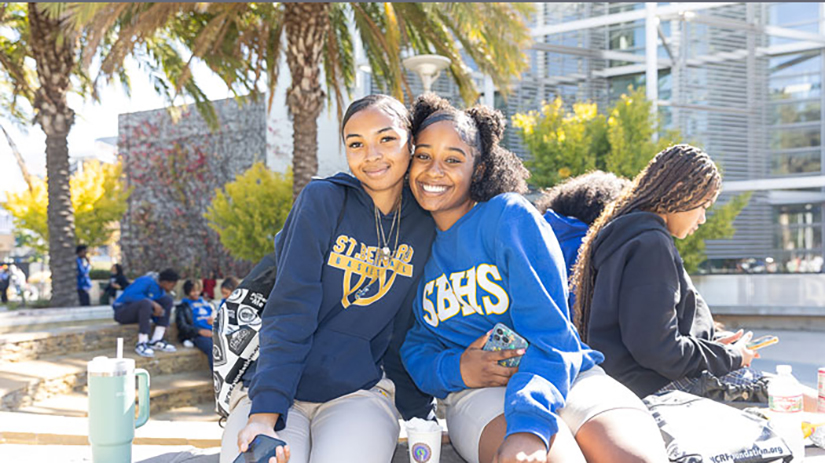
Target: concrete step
{"points": [[166, 392], [16, 320], [23, 383], [43, 340], [33, 429], [204, 411]]}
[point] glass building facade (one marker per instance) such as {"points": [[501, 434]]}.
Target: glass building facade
{"points": [[741, 79]]}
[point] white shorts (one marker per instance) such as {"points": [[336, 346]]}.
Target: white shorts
{"points": [[361, 427], [591, 394]]}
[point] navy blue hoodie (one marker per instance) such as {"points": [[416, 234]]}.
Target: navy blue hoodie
{"points": [[325, 330]]}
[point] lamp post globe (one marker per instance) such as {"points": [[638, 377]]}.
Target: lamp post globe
{"points": [[428, 67]]}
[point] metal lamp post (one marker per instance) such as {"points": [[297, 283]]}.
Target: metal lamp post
{"points": [[428, 68]]}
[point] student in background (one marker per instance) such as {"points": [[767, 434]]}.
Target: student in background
{"points": [[144, 301], [634, 300], [117, 282], [194, 319], [5, 282], [84, 282], [573, 205], [227, 286]]}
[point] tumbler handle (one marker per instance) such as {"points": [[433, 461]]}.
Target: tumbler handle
{"points": [[143, 397]]}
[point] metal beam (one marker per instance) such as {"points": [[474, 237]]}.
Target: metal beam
{"points": [[618, 18], [788, 48], [726, 23], [664, 40], [787, 183], [713, 109], [588, 52], [651, 64]]}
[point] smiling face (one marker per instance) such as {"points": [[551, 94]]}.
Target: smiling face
{"points": [[683, 224], [441, 173], [378, 151]]}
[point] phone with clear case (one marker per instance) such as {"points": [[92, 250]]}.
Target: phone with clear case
{"points": [[503, 338]]}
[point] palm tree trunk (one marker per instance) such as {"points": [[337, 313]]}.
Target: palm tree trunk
{"points": [[53, 49], [306, 26]]}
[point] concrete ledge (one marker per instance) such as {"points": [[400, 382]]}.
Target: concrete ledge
{"points": [[30, 429], [769, 311], [45, 316]]}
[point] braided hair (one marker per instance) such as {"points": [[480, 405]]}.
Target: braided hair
{"points": [[678, 179], [496, 170]]}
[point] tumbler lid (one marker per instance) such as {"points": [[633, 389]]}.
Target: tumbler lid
{"points": [[104, 366]]}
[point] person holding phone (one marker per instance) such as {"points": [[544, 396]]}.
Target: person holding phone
{"points": [[496, 260], [343, 287], [634, 300]]}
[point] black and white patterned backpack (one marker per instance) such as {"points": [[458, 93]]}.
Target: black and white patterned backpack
{"points": [[235, 342]]}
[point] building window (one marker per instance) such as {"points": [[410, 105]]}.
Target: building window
{"points": [[796, 162], [798, 237]]}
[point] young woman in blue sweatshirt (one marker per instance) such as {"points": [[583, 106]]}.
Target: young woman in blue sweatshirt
{"points": [[348, 261], [496, 260]]}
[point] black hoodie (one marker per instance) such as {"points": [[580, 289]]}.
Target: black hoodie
{"points": [[646, 316]]}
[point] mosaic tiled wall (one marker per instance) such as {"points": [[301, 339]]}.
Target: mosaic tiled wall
{"points": [[174, 168]]}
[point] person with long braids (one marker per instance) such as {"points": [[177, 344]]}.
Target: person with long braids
{"points": [[348, 263], [496, 260], [634, 301]]}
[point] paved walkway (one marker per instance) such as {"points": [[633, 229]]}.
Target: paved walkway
{"points": [[803, 350]]}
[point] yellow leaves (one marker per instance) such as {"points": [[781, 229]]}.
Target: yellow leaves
{"points": [[565, 172], [249, 211], [526, 122], [98, 199]]}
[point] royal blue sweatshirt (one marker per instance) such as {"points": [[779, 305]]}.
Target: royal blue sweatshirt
{"points": [[325, 330], [505, 265], [84, 282], [145, 287], [570, 232], [201, 311]]}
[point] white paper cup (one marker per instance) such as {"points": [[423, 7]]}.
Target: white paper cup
{"points": [[424, 446]]}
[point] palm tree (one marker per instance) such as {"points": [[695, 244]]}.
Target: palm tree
{"points": [[46, 36], [242, 42], [44, 39]]}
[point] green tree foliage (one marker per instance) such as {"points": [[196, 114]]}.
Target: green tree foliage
{"points": [[249, 211], [719, 225], [630, 131], [570, 143], [98, 198]]}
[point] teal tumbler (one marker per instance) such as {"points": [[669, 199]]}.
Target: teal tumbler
{"points": [[112, 420]]}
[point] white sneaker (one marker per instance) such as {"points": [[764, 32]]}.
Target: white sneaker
{"points": [[162, 346], [188, 343], [144, 350]]}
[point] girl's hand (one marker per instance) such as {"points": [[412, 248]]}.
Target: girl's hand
{"points": [[521, 447], [730, 339], [262, 423], [480, 368], [742, 346], [205, 333]]}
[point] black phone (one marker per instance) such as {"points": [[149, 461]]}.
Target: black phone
{"points": [[260, 450]]}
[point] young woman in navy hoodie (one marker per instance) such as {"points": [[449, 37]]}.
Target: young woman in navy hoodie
{"points": [[496, 260], [348, 261]]}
